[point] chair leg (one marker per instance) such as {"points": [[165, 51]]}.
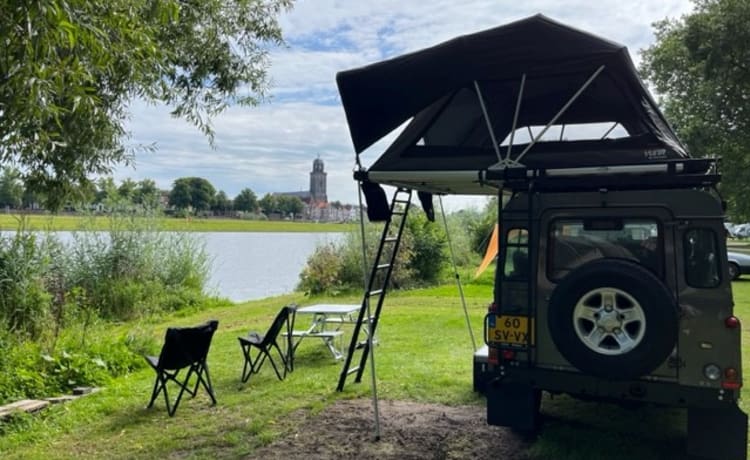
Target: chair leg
{"points": [[252, 365], [206, 382], [247, 367], [183, 388], [283, 360], [154, 392], [166, 396]]}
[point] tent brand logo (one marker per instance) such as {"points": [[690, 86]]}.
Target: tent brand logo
{"points": [[655, 154]]}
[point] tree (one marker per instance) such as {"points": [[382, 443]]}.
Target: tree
{"points": [[126, 190], [192, 192], [147, 194], [70, 68], [246, 201], [180, 196], [222, 203], [290, 205], [11, 188], [269, 203], [105, 187], [700, 67]]}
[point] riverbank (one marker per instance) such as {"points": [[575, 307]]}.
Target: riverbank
{"points": [[70, 223], [424, 376]]}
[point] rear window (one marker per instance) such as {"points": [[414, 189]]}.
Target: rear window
{"points": [[573, 242]]}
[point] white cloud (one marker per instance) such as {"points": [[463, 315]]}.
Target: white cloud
{"points": [[271, 147]]}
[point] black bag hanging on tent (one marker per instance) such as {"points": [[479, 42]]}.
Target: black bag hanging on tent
{"points": [[377, 203]]}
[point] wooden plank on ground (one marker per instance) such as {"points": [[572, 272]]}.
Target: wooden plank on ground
{"points": [[24, 405]]}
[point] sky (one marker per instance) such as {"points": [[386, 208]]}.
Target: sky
{"points": [[271, 147]]}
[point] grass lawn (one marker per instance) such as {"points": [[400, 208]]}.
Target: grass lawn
{"points": [[424, 355], [65, 222]]}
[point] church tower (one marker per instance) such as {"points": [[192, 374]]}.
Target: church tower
{"points": [[318, 182]]}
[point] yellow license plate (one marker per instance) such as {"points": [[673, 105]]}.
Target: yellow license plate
{"points": [[509, 330]]}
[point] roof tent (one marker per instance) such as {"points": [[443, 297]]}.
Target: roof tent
{"points": [[466, 101]]}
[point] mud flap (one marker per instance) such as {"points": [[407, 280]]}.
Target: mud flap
{"points": [[717, 433], [481, 373], [514, 405]]}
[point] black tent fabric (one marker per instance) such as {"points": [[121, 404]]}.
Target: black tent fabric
{"points": [[435, 88]]}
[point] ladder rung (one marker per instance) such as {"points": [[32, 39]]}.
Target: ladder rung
{"points": [[391, 239], [375, 292], [382, 266], [352, 370]]}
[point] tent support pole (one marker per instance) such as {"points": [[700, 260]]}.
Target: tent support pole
{"points": [[562, 111], [373, 385], [489, 123], [458, 278], [515, 115], [614, 125]]}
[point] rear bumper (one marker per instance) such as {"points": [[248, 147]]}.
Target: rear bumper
{"points": [[586, 386], [589, 387]]}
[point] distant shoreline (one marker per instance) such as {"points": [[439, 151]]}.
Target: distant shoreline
{"points": [[194, 224]]}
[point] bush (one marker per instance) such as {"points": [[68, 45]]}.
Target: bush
{"points": [[420, 259], [135, 269], [429, 248], [53, 297], [24, 301], [27, 370], [321, 273]]}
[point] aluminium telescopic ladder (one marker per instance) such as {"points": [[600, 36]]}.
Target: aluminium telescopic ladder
{"points": [[380, 275]]}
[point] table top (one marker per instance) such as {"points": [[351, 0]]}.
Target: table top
{"points": [[329, 308]]}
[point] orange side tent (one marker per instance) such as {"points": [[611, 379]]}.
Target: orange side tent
{"points": [[491, 253]]}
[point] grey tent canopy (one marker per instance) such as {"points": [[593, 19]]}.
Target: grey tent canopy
{"points": [[461, 98]]}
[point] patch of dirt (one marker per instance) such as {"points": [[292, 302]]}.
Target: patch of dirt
{"points": [[408, 430]]}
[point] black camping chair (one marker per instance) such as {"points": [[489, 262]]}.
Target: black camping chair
{"points": [[268, 342], [183, 347]]}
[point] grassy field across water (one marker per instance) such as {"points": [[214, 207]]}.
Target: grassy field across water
{"points": [[70, 222], [424, 355]]}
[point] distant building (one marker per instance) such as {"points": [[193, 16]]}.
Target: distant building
{"points": [[318, 182], [317, 207], [317, 194]]}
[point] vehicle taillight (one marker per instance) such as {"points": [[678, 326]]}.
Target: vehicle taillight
{"points": [[730, 379], [493, 357], [509, 355], [732, 322]]}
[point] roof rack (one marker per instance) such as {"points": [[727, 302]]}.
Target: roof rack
{"points": [[684, 173]]}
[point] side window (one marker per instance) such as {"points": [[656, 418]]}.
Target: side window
{"points": [[517, 254], [701, 258]]}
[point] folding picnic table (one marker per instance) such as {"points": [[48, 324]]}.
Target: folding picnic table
{"points": [[326, 323]]}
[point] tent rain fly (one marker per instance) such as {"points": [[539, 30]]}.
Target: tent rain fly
{"points": [[467, 95]]}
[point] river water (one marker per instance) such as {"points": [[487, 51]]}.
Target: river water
{"points": [[249, 266]]}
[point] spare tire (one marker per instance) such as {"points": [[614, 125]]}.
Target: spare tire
{"points": [[613, 318]]}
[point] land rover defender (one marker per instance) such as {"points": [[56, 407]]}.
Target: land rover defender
{"points": [[617, 295]]}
